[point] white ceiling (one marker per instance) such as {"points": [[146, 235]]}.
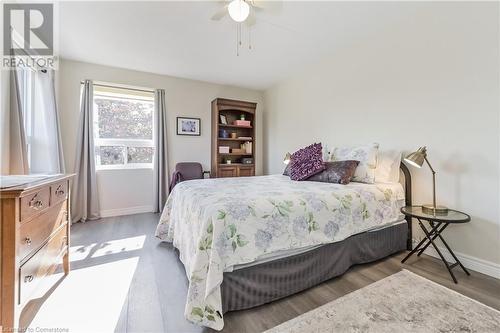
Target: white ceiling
{"points": [[179, 39]]}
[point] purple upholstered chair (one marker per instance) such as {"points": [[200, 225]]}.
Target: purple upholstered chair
{"points": [[187, 171]]}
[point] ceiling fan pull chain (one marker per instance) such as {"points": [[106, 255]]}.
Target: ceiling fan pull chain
{"points": [[240, 32], [249, 38], [237, 41]]}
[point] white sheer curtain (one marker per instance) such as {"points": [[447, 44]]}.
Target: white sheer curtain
{"points": [[35, 139], [44, 138], [18, 153]]}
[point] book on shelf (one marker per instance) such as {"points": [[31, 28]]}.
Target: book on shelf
{"points": [[245, 138]]}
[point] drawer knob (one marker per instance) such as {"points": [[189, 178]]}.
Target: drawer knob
{"points": [[28, 278], [35, 203], [59, 190], [28, 240]]}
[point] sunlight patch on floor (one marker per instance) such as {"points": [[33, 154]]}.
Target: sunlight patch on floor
{"points": [[120, 245], [96, 250], [89, 299]]}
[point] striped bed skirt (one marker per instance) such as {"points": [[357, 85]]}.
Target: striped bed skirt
{"points": [[263, 283]]}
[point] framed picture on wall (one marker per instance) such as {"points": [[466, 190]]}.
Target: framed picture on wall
{"points": [[188, 126]]}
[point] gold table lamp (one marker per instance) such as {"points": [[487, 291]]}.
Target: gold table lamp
{"points": [[287, 158], [417, 159]]}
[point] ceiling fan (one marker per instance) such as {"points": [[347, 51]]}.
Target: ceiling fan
{"points": [[238, 10], [243, 12]]}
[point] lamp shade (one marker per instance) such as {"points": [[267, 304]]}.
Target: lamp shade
{"points": [[287, 158], [417, 158], [238, 10]]}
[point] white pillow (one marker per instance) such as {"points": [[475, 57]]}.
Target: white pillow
{"points": [[387, 170], [396, 168], [367, 157]]}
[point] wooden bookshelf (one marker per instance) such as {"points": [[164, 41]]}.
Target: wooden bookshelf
{"points": [[233, 126], [237, 139], [232, 110], [238, 164], [235, 154]]}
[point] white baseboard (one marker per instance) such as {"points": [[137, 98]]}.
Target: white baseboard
{"points": [[476, 264], [126, 211]]}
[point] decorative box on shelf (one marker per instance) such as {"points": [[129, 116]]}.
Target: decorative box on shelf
{"points": [[244, 123], [238, 151], [223, 149]]}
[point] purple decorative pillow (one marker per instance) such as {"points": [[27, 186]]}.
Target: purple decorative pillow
{"points": [[339, 172], [306, 162]]}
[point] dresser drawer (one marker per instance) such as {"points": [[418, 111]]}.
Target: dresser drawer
{"points": [[41, 264], [59, 192], [34, 203], [35, 232]]}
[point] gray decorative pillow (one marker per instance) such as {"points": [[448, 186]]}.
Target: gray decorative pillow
{"points": [[339, 172]]}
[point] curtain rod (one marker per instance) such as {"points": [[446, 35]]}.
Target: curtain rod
{"points": [[119, 86]]}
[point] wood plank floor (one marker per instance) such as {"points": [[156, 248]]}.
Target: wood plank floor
{"points": [[124, 279]]}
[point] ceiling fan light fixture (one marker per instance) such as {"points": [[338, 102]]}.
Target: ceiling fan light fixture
{"points": [[238, 10]]}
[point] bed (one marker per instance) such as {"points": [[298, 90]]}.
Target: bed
{"points": [[248, 241]]}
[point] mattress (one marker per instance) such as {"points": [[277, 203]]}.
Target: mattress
{"points": [[292, 252]]}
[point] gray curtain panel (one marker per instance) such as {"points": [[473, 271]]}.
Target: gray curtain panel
{"points": [[161, 164], [84, 200], [18, 155]]}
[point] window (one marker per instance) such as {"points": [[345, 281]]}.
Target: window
{"points": [[123, 127]]}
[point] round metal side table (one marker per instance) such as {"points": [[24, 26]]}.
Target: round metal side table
{"points": [[437, 223]]}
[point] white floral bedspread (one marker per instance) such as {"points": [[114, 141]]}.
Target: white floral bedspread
{"points": [[219, 223]]}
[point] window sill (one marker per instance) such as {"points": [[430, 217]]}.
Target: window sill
{"points": [[121, 168]]}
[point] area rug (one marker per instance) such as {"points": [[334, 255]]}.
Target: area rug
{"points": [[403, 302]]}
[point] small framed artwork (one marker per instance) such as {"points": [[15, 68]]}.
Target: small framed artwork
{"points": [[188, 126], [223, 119]]}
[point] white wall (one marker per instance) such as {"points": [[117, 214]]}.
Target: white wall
{"points": [[132, 190], [4, 121], [432, 79]]}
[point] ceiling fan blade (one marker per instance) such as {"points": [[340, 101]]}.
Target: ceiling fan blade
{"points": [[251, 19], [267, 5], [219, 14]]}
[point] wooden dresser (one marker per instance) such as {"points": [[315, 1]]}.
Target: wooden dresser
{"points": [[34, 236]]}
